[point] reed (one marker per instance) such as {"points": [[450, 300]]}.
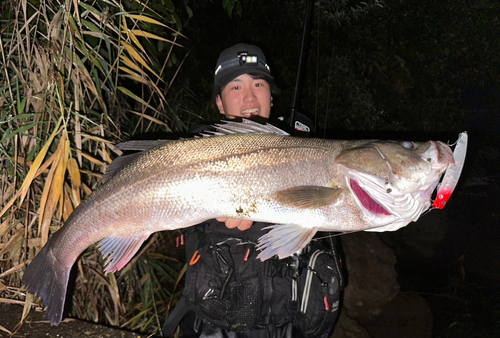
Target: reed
{"points": [[76, 78]]}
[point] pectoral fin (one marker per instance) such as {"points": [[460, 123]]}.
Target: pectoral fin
{"points": [[284, 240], [118, 251], [308, 197]]}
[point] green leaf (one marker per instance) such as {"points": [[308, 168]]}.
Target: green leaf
{"points": [[189, 12], [228, 6], [90, 8], [76, 28], [20, 130], [169, 5], [111, 4], [135, 97], [21, 116], [90, 25], [33, 152], [24, 116], [239, 9], [86, 52]]}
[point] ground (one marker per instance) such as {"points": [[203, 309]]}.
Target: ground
{"points": [[38, 326]]}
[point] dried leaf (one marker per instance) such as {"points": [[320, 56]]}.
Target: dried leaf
{"points": [[76, 180], [55, 26], [135, 97], [131, 64], [151, 119], [138, 32], [11, 301], [5, 330], [27, 306], [53, 189], [144, 18], [67, 204], [134, 54], [93, 160], [134, 39], [12, 270], [11, 241], [95, 138], [115, 296], [135, 77], [5, 225], [7, 193], [33, 169], [105, 155]]}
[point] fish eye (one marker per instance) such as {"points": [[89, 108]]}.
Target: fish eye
{"points": [[408, 145]]}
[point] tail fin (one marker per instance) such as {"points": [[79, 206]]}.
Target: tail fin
{"points": [[48, 278]]}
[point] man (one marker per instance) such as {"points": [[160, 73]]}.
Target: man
{"points": [[243, 89], [228, 292]]}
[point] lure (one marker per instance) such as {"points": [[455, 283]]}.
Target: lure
{"points": [[452, 174]]}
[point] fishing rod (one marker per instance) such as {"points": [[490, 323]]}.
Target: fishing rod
{"points": [[297, 119], [303, 126]]}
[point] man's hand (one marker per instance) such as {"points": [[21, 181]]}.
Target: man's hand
{"points": [[236, 223]]}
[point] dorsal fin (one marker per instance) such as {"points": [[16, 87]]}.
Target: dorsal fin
{"points": [[222, 129], [245, 127], [136, 145], [141, 145], [118, 164]]}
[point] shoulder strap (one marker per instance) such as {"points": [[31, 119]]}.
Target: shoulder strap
{"points": [[175, 317]]}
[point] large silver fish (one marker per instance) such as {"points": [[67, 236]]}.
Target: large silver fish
{"points": [[258, 173]]}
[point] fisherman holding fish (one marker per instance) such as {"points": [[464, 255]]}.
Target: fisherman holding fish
{"points": [[244, 88], [246, 171]]}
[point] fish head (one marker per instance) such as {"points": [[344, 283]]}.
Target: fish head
{"points": [[394, 180], [412, 165]]}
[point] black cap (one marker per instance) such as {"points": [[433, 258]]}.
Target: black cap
{"points": [[240, 59]]}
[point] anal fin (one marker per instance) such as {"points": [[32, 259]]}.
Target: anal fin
{"points": [[117, 251], [284, 240]]}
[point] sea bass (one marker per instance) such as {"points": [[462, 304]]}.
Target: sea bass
{"points": [[256, 173]]}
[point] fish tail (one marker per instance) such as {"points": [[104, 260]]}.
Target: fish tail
{"points": [[48, 278]]}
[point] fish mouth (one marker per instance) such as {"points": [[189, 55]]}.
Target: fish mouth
{"points": [[366, 200]]}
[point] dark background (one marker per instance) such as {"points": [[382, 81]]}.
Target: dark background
{"points": [[397, 70]]}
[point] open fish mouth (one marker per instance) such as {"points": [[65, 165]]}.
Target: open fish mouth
{"points": [[383, 203], [366, 200]]}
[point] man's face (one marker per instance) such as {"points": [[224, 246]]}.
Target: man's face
{"points": [[245, 97]]}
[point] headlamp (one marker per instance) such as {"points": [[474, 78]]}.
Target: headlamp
{"points": [[245, 58]]}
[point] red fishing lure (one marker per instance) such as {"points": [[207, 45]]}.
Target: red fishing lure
{"points": [[450, 180]]}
